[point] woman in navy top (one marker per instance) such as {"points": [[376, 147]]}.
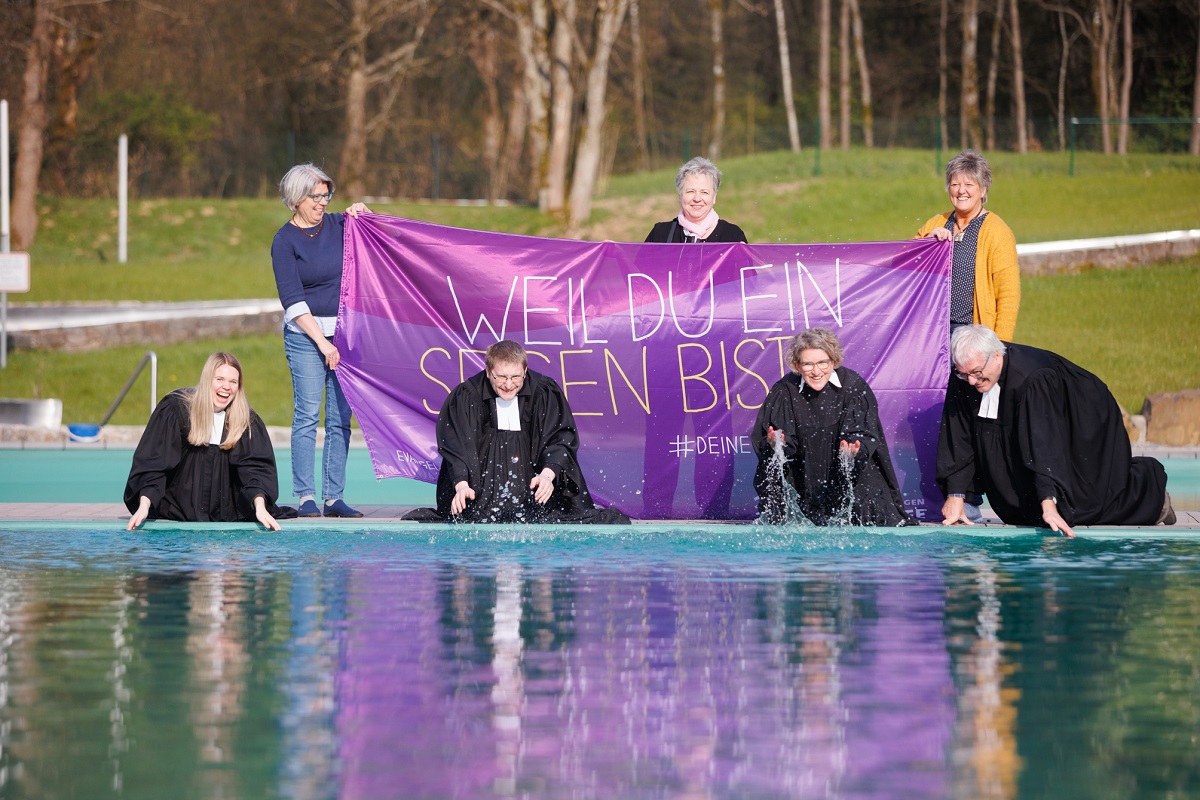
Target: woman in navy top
{"points": [[307, 258]]}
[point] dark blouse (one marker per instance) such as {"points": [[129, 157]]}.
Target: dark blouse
{"points": [[672, 232]]}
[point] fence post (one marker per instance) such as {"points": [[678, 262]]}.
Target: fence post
{"points": [[1071, 171]]}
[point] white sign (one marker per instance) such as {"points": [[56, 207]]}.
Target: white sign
{"points": [[14, 272]]}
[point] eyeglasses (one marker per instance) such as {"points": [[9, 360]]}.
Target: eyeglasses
{"points": [[316, 198], [508, 379], [977, 374], [822, 365]]}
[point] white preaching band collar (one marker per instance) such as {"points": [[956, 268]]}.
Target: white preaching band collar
{"points": [[989, 406], [218, 429], [508, 416]]}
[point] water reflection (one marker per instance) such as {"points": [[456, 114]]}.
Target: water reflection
{"points": [[893, 670]]}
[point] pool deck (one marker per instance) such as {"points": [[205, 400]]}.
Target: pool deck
{"points": [[111, 514]]}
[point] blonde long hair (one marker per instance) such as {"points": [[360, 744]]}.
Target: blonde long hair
{"points": [[200, 412]]}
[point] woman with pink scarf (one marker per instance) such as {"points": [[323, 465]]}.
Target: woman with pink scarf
{"points": [[697, 183]]}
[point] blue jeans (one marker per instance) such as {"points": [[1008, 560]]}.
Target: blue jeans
{"points": [[311, 378]]}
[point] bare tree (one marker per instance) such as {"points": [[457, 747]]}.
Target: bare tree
{"points": [[993, 73], [610, 15], [1066, 41], [824, 120], [483, 53], [638, 68], [367, 71], [844, 74], [1019, 81], [533, 21], [943, 73], [716, 12], [1194, 145], [971, 135], [785, 68], [1126, 74], [864, 76], [1101, 79], [562, 107], [31, 128]]}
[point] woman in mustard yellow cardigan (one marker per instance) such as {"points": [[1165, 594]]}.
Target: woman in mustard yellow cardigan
{"points": [[985, 287]]}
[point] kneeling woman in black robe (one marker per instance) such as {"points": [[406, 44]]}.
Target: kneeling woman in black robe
{"points": [[509, 449], [205, 456], [827, 419]]}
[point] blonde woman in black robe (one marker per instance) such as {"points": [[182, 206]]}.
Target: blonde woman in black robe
{"points": [[826, 418], [205, 456]]}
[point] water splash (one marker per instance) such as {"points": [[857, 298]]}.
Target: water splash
{"points": [[789, 499], [845, 511]]}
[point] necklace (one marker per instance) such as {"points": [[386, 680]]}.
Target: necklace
{"points": [[959, 230], [312, 235]]}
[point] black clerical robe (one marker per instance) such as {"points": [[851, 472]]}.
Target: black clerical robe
{"points": [[499, 465], [814, 423], [204, 483], [1058, 433]]}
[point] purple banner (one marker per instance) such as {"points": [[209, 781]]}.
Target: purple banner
{"points": [[665, 351]]}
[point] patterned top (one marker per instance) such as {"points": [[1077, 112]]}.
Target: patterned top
{"points": [[962, 280]]}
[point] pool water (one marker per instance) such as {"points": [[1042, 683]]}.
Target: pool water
{"points": [[700, 662]]}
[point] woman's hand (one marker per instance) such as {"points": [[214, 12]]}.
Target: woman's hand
{"points": [[358, 208], [264, 517], [773, 434], [462, 493], [542, 485], [940, 233], [140, 515], [330, 352], [850, 448], [1054, 520]]}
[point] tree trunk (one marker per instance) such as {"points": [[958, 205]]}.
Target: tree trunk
{"points": [[562, 106], [514, 139], [824, 120], [611, 14], [532, 24], [864, 76], [844, 74], [1194, 145], [484, 55], [716, 140], [1063, 63], [785, 69], [943, 75], [1126, 74], [1019, 80], [353, 163], [1099, 42], [972, 134], [74, 53], [993, 73], [31, 130], [639, 86]]}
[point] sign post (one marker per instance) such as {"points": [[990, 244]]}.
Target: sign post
{"points": [[14, 277]]}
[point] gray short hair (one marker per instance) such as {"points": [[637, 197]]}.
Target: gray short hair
{"points": [[974, 166], [698, 166], [974, 341], [814, 339], [299, 182]]}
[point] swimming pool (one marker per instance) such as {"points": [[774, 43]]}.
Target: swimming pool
{"points": [[647, 662]]}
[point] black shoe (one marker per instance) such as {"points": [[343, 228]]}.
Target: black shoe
{"points": [[338, 508]]}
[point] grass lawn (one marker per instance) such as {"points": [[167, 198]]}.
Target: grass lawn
{"points": [[1138, 329]]}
